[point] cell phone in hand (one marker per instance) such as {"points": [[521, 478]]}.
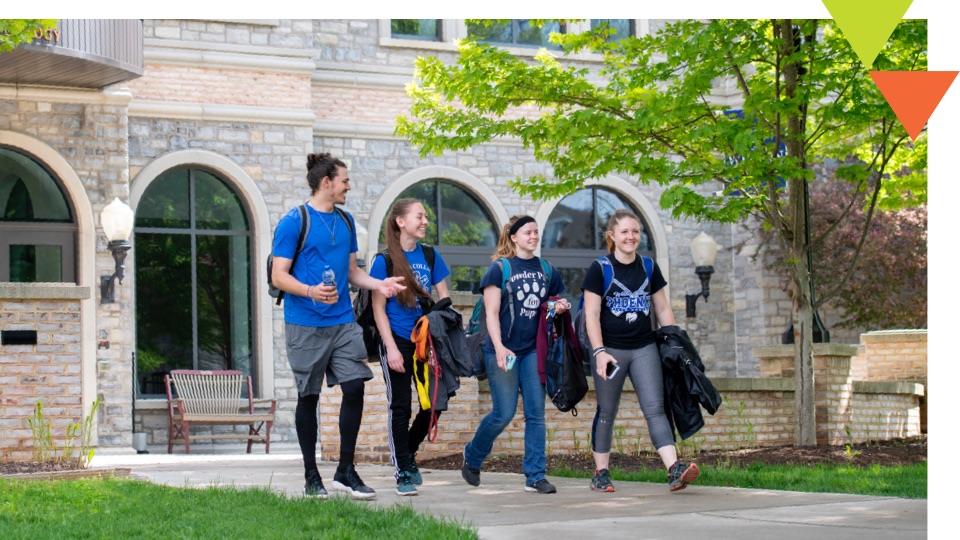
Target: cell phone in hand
{"points": [[511, 359], [612, 369]]}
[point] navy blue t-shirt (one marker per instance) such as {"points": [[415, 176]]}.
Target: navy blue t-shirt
{"points": [[530, 289]]}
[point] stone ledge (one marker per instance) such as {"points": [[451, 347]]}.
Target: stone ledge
{"points": [[819, 349], [888, 387], [43, 291], [894, 336], [772, 384]]}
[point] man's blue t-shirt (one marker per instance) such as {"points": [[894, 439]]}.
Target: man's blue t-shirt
{"points": [[320, 248], [402, 318], [530, 289]]}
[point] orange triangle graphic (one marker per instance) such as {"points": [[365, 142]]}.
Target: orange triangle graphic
{"points": [[913, 95]]}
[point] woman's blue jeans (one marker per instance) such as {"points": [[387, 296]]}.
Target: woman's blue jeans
{"points": [[505, 387]]}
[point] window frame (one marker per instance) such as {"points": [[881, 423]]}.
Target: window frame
{"points": [[193, 232], [39, 232], [582, 258], [438, 37], [515, 34], [454, 256]]}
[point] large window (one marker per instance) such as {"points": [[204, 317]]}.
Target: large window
{"points": [[460, 227], [192, 245], [623, 28], [38, 233], [515, 32], [574, 234], [425, 29]]}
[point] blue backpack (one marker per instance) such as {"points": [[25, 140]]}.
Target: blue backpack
{"points": [[477, 325], [580, 324]]}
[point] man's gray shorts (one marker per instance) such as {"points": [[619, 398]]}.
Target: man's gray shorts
{"points": [[337, 351]]}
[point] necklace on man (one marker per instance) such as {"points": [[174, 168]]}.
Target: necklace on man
{"points": [[333, 236]]}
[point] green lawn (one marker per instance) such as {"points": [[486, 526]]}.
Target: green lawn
{"points": [[119, 508], [904, 481]]}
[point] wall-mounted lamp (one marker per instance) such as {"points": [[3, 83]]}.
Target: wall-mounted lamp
{"points": [[704, 251], [116, 220]]}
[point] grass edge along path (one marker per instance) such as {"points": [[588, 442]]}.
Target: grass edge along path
{"points": [[123, 508], [907, 481]]}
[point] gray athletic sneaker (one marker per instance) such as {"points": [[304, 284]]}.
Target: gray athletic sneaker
{"points": [[681, 474], [405, 486]]}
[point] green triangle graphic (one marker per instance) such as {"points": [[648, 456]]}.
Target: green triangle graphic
{"points": [[867, 25]]}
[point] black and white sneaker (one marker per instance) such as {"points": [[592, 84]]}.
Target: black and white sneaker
{"points": [[314, 486], [541, 486], [347, 479]]}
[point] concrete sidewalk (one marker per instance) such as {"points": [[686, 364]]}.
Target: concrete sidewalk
{"points": [[500, 508]]}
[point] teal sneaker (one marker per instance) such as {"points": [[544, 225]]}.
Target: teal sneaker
{"points": [[415, 475], [405, 487]]}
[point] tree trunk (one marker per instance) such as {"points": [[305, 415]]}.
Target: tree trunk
{"points": [[806, 429], [796, 240]]}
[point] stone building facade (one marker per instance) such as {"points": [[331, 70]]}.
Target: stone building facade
{"points": [[243, 103]]}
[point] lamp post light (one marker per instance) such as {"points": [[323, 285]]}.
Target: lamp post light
{"points": [[703, 248], [116, 220]]}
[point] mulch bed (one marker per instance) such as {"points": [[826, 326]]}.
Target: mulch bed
{"points": [[886, 453]]}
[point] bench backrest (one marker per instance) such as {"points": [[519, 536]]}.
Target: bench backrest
{"points": [[209, 392]]}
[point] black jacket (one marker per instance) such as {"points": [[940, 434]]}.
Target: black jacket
{"points": [[685, 386], [449, 339]]}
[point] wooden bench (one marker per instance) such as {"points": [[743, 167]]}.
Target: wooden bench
{"points": [[215, 398]]}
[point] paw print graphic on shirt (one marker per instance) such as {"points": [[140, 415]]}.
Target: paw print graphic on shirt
{"points": [[529, 295]]}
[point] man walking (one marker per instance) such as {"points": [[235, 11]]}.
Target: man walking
{"points": [[323, 339]]}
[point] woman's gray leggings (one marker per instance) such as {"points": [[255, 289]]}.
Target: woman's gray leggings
{"points": [[643, 366]]}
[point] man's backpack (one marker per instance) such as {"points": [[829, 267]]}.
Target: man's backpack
{"points": [[565, 377], [580, 324], [477, 325], [301, 240], [363, 307]]}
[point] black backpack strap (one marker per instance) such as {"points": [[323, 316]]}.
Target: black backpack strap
{"points": [[430, 254], [346, 217], [301, 240]]}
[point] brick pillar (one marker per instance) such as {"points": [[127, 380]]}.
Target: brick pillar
{"points": [[833, 387], [833, 384]]}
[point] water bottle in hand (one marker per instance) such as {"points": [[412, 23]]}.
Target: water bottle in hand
{"points": [[329, 278]]}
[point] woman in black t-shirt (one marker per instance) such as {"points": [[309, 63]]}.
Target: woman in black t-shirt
{"points": [[618, 322]]}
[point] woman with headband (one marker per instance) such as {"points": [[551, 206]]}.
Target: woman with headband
{"points": [[510, 352]]}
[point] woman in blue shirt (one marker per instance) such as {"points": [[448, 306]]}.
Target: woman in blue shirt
{"points": [[510, 352], [396, 317]]}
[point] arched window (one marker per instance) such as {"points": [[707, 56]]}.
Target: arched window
{"points": [[574, 234], [460, 227], [38, 232], [192, 246]]}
